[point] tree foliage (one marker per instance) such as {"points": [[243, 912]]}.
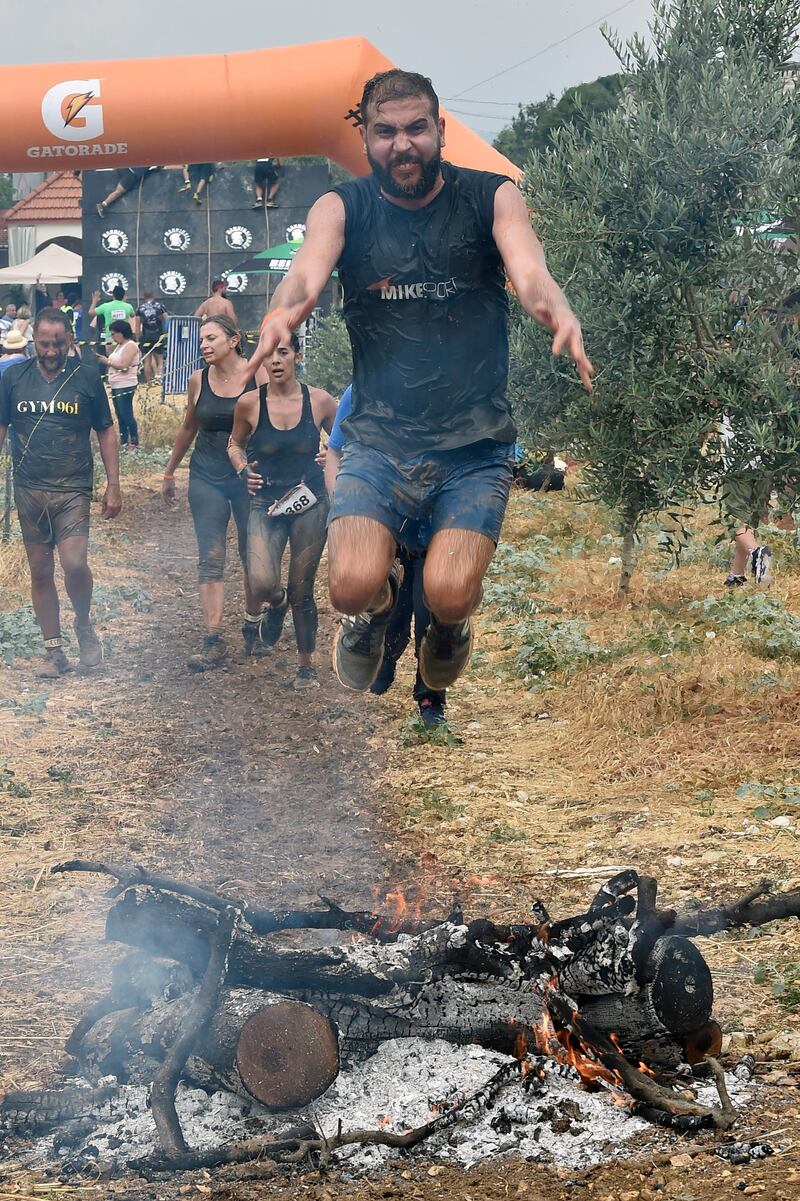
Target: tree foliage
{"points": [[6, 191], [647, 224], [329, 359], [535, 124]]}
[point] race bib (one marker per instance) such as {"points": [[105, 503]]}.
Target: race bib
{"points": [[295, 501]]}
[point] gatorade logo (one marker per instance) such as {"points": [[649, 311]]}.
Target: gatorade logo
{"points": [[71, 110]]}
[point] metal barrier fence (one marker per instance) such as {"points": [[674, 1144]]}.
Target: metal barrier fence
{"points": [[182, 354]]}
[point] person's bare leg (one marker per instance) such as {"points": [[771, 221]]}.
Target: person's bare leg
{"points": [[112, 197], [361, 552], [212, 602], [360, 557], [44, 596], [455, 565], [744, 543], [78, 579], [452, 580]]}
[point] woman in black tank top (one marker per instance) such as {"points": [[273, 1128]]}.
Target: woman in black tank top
{"points": [[215, 491], [275, 444]]}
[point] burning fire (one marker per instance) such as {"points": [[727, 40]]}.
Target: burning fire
{"points": [[566, 1047], [401, 911]]}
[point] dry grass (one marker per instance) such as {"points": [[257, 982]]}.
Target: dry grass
{"points": [[13, 573], [158, 422]]}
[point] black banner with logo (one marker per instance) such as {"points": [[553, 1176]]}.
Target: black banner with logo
{"points": [[156, 237]]}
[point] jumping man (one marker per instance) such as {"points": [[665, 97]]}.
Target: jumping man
{"points": [[420, 246]]}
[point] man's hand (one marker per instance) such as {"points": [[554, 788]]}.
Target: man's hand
{"points": [[321, 456], [275, 329], [566, 330], [96, 295], [169, 492], [112, 501]]}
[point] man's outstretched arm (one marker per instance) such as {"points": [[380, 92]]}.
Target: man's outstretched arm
{"points": [[310, 271], [539, 294]]}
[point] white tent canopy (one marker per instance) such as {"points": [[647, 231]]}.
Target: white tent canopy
{"points": [[54, 265]]}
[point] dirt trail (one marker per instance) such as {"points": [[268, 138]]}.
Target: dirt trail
{"points": [[228, 778]]}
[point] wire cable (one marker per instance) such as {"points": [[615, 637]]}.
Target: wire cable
{"points": [[544, 50]]}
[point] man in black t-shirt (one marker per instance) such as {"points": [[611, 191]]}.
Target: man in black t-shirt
{"points": [[422, 249], [150, 315], [51, 404]]}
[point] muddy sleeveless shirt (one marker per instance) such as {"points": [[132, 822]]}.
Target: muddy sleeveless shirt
{"points": [[427, 314], [215, 420], [286, 457]]}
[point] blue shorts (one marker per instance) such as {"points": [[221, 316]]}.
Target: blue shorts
{"points": [[463, 489]]}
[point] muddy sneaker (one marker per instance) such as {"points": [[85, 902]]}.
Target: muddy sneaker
{"points": [[100, 209], [197, 198], [306, 678], [761, 565], [735, 581], [211, 656], [431, 712], [55, 664], [358, 647], [272, 621], [185, 186], [444, 653], [254, 646], [91, 647]]}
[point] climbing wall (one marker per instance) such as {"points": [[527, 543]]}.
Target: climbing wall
{"points": [[156, 237]]}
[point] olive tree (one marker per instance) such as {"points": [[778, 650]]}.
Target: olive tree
{"points": [[649, 226]]}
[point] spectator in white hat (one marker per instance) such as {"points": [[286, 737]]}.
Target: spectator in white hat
{"points": [[15, 349]]}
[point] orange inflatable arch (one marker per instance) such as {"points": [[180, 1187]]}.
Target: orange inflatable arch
{"points": [[294, 100]]}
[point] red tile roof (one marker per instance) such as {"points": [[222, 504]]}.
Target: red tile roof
{"points": [[57, 199]]}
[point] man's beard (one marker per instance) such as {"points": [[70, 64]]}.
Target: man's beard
{"points": [[428, 175]]}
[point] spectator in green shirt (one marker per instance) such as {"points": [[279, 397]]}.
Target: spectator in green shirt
{"points": [[116, 309]]}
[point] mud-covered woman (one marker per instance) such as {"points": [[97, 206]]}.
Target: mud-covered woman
{"points": [[216, 493], [275, 446]]}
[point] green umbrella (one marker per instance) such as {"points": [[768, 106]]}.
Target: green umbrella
{"points": [[273, 259]]}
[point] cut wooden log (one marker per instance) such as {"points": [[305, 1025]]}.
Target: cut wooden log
{"points": [[280, 1052]]}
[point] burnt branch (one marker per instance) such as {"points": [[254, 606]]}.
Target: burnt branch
{"points": [[162, 1092], [748, 910], [642, 1087], [382, 927]]}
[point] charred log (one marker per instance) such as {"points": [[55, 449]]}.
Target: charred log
{"points": [[167, 926], [41, 1109]]}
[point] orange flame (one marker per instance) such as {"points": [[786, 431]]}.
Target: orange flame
{"points": [[401, 911], [566, 1047]]}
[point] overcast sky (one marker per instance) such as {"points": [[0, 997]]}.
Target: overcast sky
{"points": [[461, 44]]}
